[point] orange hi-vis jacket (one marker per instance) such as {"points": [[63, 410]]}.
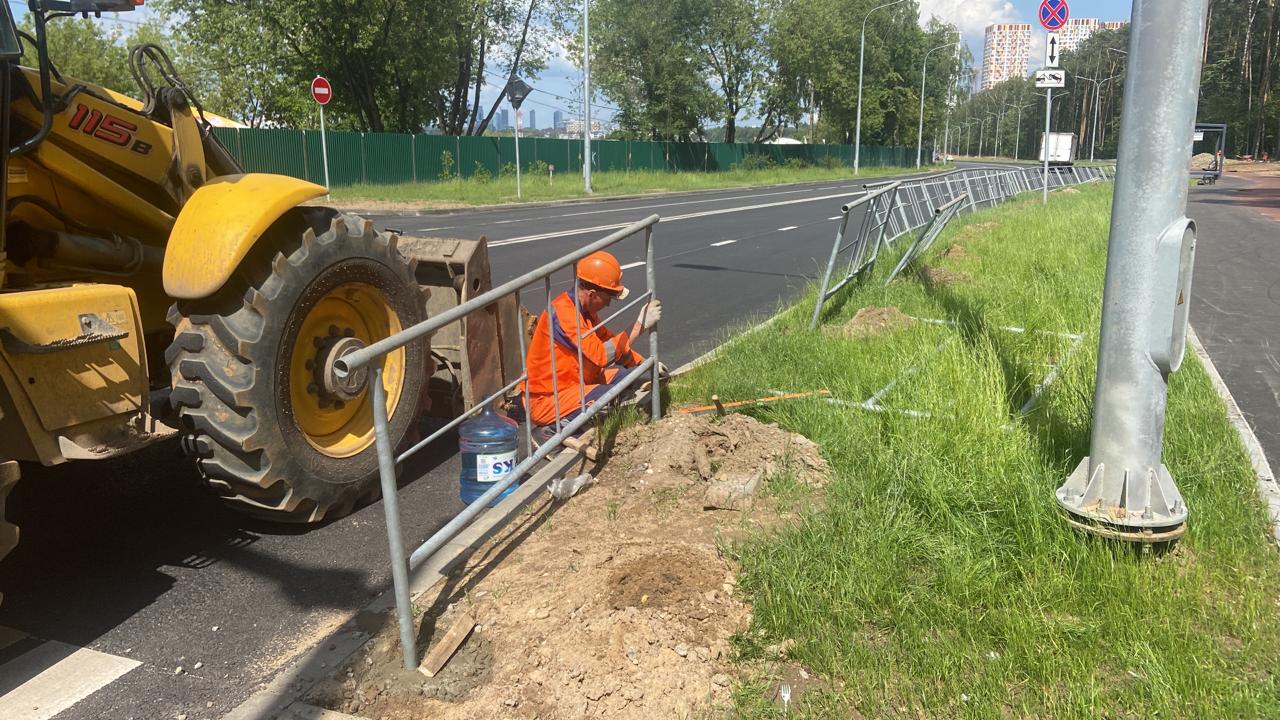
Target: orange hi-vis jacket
{"points": [[600, 349]]}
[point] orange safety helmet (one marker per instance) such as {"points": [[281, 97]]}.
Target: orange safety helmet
{"points": [[602, 270]]}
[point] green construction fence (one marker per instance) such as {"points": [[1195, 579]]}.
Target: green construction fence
{"points": [[392, 158]]}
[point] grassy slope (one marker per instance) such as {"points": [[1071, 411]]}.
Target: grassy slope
{"points": [[940, 578], [503, 189]]}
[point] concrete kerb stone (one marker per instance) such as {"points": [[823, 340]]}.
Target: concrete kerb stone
{"points": [[280, 699], [577, 201], [1268, 490]]}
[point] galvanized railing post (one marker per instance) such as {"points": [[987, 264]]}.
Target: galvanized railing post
{"points": [[826, 275], [656, 399], [968, 189], [391, 511]]}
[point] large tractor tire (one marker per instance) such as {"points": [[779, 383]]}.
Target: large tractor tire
{"points": [[272, 429], [8, 531]]}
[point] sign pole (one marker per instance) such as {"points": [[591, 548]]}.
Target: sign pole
{"points": [[324, 151], [518, 154], [1048, 114]]}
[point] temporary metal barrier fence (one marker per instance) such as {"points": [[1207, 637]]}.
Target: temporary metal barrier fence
{"points": [[568, 420], [930, 233], [915, 204], [871, 225]]}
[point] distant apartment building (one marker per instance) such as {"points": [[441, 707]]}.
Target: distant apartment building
{"points": [[573, 129], [533, 119], [1006, 53], [503, 120], [557, 120], [1080, 29]]}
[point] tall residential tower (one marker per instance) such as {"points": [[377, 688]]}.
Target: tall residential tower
{"points": [[1006, 53]]}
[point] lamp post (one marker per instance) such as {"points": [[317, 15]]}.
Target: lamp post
{"points": [[982, 132], [924, 73], [586, 96], [1017, 136], [1097, 102], [857, 136], [999, 117]]}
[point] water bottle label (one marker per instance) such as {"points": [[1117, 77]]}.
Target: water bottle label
{"points": [[492, 468]]}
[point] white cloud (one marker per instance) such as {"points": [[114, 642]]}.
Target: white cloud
{"points": [[970, 16]]}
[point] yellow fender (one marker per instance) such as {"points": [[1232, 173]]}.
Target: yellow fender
{"points": [[220, 223]]}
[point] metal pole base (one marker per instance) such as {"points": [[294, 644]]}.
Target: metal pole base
{"points": [[1143, 507]]}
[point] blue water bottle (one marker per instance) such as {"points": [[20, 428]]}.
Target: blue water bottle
{"points": [[489, 443]]}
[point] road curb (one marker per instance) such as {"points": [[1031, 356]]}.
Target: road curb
{"points": [[1268, 491], [428, 212], [282, 697]]}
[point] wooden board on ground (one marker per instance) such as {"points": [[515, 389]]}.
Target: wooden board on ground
{"points": [[447, 646]]}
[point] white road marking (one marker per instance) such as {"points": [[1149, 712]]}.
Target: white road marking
{"points": [[668, 220], [789, 227], [837, 217], [636, 264], [57, 676], [723, 242]]}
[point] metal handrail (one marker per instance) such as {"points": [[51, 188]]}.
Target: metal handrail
{"points": [[365, 355], [402, 565]]}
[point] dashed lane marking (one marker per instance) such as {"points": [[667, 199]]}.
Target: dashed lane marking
{"points": [[789, 227], [41, 678], [837, 217], [723, 242], [668, 220], [636, 264]]}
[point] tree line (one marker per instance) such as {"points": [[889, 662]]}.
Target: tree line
{"points": [[1237, 87], [667, 69]]}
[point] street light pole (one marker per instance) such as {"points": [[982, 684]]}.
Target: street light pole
{"points": [[924, 72], [1122, 489], [982, 132], [1097, 101], [857, 136], [1017, 136], [586, 96]]}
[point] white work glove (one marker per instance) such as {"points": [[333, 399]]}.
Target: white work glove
{"points": [[650, 315]]}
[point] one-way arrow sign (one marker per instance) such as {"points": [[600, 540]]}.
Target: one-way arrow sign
{"points": [[1051, 79], [1051, 51]]}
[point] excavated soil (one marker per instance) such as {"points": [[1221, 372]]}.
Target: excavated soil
{"points": [[616, 603], [1201, 161], [941, 277], [956, 252], [874, 321]]}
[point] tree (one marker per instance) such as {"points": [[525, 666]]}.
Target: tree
{"points": [[732, 39], [371, 50], [646, 58]]}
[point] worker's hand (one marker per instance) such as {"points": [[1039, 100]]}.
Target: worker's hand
{"points": [[650, 315]]}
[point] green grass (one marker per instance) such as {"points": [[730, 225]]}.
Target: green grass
{"points": [[939, 580], [456, 193]]}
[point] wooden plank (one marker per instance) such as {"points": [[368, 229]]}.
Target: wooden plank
{"points": [[720, 407], [448, 645]]}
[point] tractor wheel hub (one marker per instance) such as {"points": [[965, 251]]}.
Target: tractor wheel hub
{"points": [[344, 388]]}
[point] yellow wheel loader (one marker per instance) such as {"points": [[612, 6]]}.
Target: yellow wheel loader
{"points": [[149, 287]]}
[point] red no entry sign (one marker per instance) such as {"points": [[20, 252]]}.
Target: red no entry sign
{"points": [[1054, 14], [321, 90]]}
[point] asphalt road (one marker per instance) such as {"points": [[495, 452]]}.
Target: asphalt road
{"points": [[195, 608], [1235, 294]]}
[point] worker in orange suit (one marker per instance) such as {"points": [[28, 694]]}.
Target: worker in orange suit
{"points": [[606, 358]]}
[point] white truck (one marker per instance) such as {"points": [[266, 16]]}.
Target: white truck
{"points": [[1061, 146]]}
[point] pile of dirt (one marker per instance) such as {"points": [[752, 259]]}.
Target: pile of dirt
{"points": [[956, 252], [616, 603], [941, 277], [1069, 191], [1201, 161], [874, 321]]}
